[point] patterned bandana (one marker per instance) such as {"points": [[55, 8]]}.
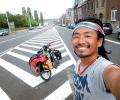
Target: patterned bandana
{"points": [[89, 25]]}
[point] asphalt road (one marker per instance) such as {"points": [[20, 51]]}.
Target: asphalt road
{"points": [[17, 82]]}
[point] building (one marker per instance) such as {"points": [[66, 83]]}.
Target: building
{"points": [[105, 10], [69, 16]]}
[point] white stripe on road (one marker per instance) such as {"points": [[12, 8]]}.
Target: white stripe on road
{"points": [[62, 67], [21, 74], [35, 43], [56, 45], [74, 62], [3, 95], [38, 47], [112, 41], [28, 78], [24, 58], [46, 41], [42, 42], [34, 51], [62, 48], [26, 50], [61, 93]]}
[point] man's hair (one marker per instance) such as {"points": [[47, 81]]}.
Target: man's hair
{"points": [[101, 50]]}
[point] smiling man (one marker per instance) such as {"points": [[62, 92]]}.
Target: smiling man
{"points": [[95, 77]]}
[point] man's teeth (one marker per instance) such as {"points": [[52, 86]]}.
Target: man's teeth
{"points": [[82, 48]]}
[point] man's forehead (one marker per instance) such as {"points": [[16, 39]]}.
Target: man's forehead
{"points": [[84, 30], [89, 25]]}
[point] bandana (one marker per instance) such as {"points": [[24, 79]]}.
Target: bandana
{"points": [[89, 25]]}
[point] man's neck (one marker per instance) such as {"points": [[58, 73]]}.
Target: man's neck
{"points": [[87, 60]]}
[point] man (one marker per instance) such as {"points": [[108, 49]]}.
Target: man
{"points": [[95, 77]]}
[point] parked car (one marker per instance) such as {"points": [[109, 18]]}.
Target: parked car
{"points": [[118, 33], [4, 32], [71, 26], [107, 27], [31, 28]]}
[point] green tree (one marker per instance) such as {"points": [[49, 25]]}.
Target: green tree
{"points": [[24, 11], [36, 16], [10, 16], [21, 21], [41, 19], [29, 13], [3, 21]]}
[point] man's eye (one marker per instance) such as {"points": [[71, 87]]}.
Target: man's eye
{"points": [[88, 36], [75, 36]]}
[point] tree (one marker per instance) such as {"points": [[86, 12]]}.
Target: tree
{"points": [[41, 19], [21, 21], [24, 11], [10, 16], [3, 21], [36, 16], [29, 13]]}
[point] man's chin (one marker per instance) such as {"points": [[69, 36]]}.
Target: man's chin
{"points": [[82, 56]]}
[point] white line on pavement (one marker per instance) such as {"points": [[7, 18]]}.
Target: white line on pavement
{"points": [[21, 74], [61, 93], [3, 95], [112, 41], [24, 58], [38, 47], [73, 60], [26, 50], [28, 78]]}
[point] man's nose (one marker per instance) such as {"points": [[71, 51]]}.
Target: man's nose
{"points": [[81, 39]]}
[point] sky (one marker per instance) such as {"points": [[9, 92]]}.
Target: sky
{"points": [[49, 8]]}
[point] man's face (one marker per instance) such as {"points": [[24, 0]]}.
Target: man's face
{"points": [[85, 42]]}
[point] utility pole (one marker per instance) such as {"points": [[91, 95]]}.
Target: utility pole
{"points": [[8, 23]]}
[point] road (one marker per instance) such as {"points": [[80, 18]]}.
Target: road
{"points": [[17, 80]]}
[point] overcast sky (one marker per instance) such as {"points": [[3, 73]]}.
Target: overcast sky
{"points": [[49, 8]]}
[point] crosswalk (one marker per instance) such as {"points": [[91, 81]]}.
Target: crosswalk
{"points": [[15, 61]]}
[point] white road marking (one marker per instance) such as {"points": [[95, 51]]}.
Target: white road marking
{"points": [[3, 95], [112, 41], [24, 58], [41, 43], [21, 74], [73, 60], [35, 43], [38, 47], [28, 78], [61, 93], [26, 50]]}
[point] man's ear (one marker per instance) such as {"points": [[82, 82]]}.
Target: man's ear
{"points": [[100, 42]]}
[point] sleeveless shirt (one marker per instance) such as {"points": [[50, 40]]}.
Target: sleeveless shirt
{"points": [[90, 85]]}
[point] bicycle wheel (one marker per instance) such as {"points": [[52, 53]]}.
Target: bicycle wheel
{"points": [[44, 73]]}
